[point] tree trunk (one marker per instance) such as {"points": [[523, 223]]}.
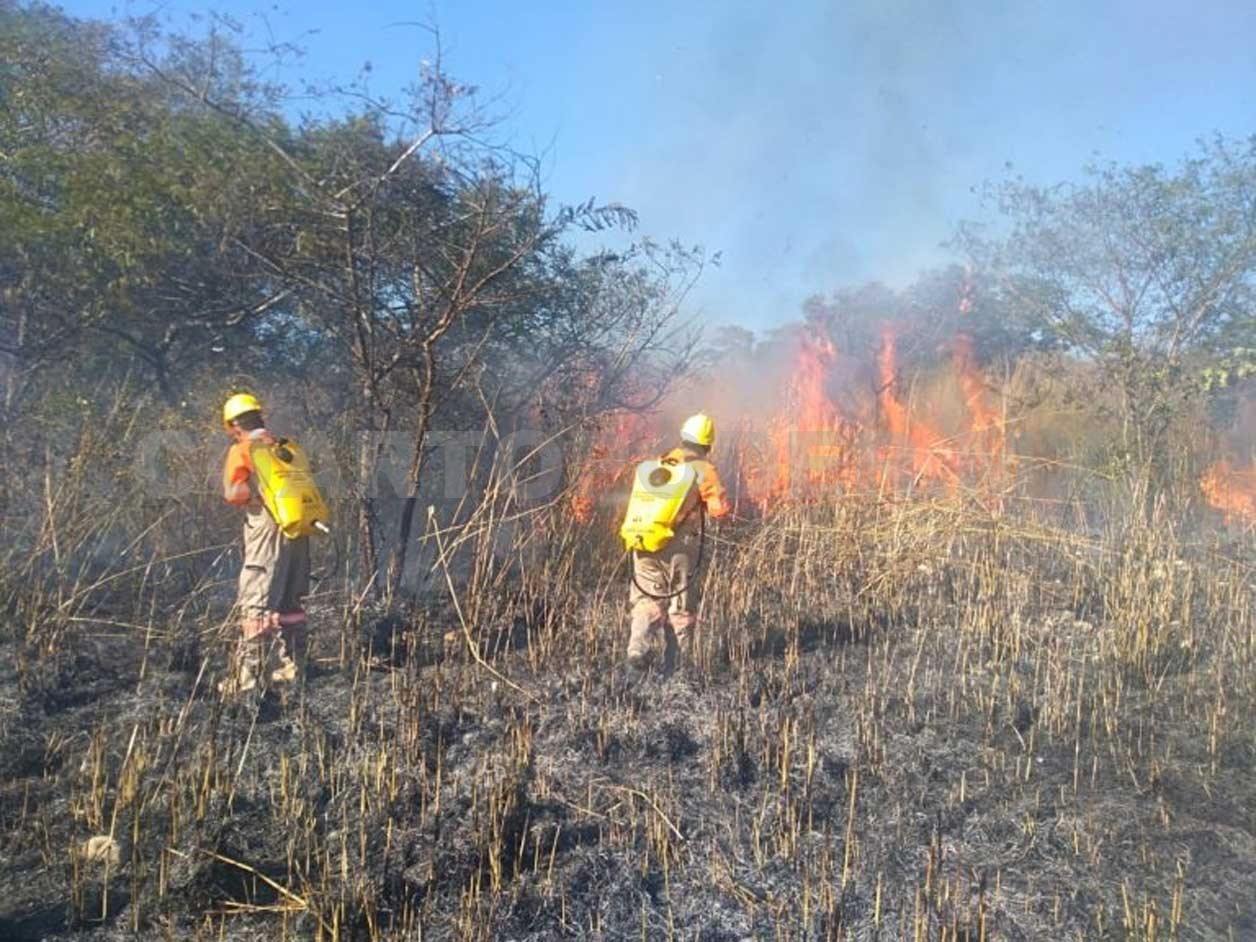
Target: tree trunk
{"points": [[367, 519], [397, 566]]}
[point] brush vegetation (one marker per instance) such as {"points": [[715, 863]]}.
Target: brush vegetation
{"points": [[1017, 707]]}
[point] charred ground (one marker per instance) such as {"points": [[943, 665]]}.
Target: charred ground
{"points": [[1001, 733]]}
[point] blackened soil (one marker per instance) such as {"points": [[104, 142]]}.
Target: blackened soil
{"points": [[815, 791]]}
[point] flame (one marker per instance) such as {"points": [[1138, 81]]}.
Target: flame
{"points": [[984, 419], [813, 442], [810, 444], [988, 429], [925, 451], [1231, 491], [622, 440]]}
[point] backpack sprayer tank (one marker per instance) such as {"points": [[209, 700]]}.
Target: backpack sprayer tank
{"points": [[659, 489], [288, 488]]}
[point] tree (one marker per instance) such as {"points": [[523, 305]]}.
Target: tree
{"points": [[163, 222], [425, 257], [1146, 273], [121, 205]]}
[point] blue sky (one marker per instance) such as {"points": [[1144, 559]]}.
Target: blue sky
{"points": [[813, 144]]}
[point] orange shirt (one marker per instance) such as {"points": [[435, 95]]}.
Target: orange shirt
{"points": [[710, 489], [238, 469]]}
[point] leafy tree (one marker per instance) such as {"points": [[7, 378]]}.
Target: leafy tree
{"points": [[122, 206], [1145, 272], [425, 259], [162, 221]]}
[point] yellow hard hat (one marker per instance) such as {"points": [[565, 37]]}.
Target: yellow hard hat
{"points": [[698, 429], [237, 405]]}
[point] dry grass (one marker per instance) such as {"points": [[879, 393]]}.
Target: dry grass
{"points": [[906, 719]]}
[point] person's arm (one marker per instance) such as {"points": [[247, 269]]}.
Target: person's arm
{"points": [[235, 477], [712, 492]]}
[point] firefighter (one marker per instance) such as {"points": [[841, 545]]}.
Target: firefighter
{"points": [[274, 578], [664, 592]]}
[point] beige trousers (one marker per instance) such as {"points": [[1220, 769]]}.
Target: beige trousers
{"points": [[672, 619], [275, 576], [274, 579]]}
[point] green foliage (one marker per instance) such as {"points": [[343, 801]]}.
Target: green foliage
{"points": [[164, 227], [1146, 272], [123, 206], [1228, 369]]}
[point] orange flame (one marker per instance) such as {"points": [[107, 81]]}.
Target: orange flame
{"points": [[1231, 491], [988, 430], [924, 449], [621, 441], [812, 441], [808, 444]]}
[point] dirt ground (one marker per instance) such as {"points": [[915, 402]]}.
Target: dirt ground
{"points": [[831, 786]]}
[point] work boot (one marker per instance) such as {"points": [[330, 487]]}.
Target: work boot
{"points": [[680, 637], [683, 624], [638, 669], [671, 654], [245, 667], [291, 653], [640, 652], [647, 618]]}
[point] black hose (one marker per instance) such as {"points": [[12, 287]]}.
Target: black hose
{"points": [[697, 565]]}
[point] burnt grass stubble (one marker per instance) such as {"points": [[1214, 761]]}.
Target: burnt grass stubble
{"points": [[899, 724]]}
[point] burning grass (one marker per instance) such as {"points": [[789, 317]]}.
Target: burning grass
{"points": [[1232, 491], [816, 420], [907, 719]]}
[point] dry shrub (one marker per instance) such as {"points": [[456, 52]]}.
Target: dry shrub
{"points": [[907, 717]]}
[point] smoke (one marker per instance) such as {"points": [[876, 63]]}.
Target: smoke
{"points": [[827, 149], [822, 145], [859, 397]]}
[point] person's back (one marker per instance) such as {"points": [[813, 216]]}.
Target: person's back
{"points": [[275, 571], [664, 593], [709, 493]]}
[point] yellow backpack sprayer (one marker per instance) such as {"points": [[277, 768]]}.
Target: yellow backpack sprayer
{"points": [[660, 488], [288, 489]]}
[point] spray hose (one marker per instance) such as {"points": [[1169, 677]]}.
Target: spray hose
{"points": [[697, 565]]}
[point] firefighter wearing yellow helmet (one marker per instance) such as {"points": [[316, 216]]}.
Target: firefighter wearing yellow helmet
{"points": [[275, 575], [663, 529]]}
